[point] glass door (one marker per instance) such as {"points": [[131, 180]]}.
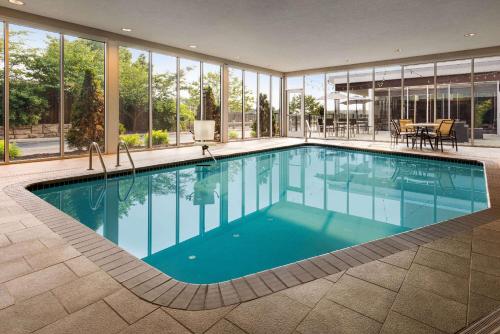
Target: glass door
{"points": [[295, 102]]}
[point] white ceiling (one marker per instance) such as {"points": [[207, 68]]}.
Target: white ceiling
{"points": [[289, 35]]}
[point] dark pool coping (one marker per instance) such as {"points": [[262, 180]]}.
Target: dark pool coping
{"points": [[154, 286]]}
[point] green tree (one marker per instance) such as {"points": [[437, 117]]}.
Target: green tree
{"points": [[34, 90], [265, 114], [34, 80], [482, 109], [190, 99], [134, 96], [88, 115], [212, 108], [311, 105], [164, 101], [236, 93]]}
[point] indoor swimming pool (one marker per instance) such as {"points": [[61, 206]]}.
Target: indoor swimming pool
{"points": [[213, 222]]}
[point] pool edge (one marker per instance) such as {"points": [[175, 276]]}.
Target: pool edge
{"points": [[154, 286]]}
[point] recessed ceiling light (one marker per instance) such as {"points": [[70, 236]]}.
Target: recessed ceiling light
{"points": [[126, 29], [192, 46], [471, 34], [398, 50], [16, 2]]}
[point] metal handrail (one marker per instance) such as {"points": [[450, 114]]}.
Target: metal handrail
{"points": [[308, 128], [95, 146], [124, 144], [204, 149]]}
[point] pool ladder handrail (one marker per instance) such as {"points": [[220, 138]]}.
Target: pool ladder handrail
{"points": [[121, 144], [95, 146], [204, 148], [309, 131]]}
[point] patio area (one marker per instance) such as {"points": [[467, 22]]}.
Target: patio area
{"points": [[51, 282]]}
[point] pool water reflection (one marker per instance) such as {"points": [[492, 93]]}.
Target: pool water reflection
{"points": [[206, 224]]}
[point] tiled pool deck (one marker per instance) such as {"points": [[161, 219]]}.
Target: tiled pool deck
{"points": [[56, 276]]}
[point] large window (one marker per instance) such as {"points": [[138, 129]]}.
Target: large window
{"points": [[419, 92], [212, 96], [336, 114], [276, 106], [264, 105], [83, 94], [34, 93], [486, 106], [387, 100], [453, 100], [235, 117], [314, 103], [134, 97], [164, 92], [190, 108], [361, 104], [250, 125], [294, 108], [294, 83]]}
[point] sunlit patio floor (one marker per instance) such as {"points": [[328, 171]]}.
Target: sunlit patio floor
{"points": [[47, 286]]}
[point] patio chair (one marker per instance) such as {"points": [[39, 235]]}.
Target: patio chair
{"points": [[404, 125], [444, 132], [320, 125], [329, 126], [341, 127], [396, 133], [353, 127], [439, 120]]}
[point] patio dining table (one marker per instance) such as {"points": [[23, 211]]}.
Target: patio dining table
{"points": [[420, 128]]}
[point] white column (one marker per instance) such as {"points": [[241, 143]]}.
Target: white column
{"points": [[224, 131], [449, 101], [112, 96], [371, 116], [498, 108], [426, 104], [6, 92]]}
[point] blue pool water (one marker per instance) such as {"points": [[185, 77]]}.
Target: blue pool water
{"points": [[206, 224]]}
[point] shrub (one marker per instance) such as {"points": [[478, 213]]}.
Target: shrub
{"points": [[233, 134], [253, 134], [131, 140], [121, 128], [160, 137], [87, 118], [482, 109], [14, 150]]}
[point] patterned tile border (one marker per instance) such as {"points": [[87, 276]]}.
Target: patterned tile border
{"points": [[487, 325], [157, 287]]}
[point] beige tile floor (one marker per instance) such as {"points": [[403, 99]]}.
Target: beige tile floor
{"points": [[46, 286]]}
